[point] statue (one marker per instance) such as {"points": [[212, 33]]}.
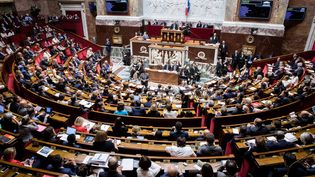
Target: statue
{"points": [[165, 57], [176, 57], [158, 58]]}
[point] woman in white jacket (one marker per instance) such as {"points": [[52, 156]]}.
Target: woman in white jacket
{"points": [[147, 168]]}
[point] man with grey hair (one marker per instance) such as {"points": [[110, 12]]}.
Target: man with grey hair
{"points": [[172, 171], [307, 138]]}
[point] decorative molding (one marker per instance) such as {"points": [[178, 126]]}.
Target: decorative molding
{"points": [[76, 7], [136, 21], [110, 20], [6, 1], [264, 29]]}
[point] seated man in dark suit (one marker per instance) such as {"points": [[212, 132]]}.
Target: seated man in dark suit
{"points": [[176, 67], [168, 66], [199, 24], [174, 26], [114, 170], [177, 131], [292, 167], [2, 55], [209, 149], [137, 110], [149, 102], [257, 129], [58, 164], [281, 143]]}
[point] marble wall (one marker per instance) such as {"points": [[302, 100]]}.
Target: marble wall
{"points": [[203, 10], [48, 7]]}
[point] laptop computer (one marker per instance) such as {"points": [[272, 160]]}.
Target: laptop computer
{"points": [[71, 130]]}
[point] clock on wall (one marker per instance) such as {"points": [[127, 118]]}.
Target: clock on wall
{"points": [[116, 29], [250, 39]]}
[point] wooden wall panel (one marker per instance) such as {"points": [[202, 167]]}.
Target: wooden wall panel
{"points": [[103, 32], [265, 45]]}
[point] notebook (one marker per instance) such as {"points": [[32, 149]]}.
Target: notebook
{"points": [[45, 151], [4, 139], [88, 139]]}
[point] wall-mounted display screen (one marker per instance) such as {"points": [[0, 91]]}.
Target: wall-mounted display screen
{"points": [[255, 9], [295, 13], [116, 6]]}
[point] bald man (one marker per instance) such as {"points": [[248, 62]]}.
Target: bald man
{"points": [[114, 170], [172, 171]]}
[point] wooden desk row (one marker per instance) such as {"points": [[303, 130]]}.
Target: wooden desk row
{"points": [[80, 154], [241, 143], [149, 131], [11, 169]]}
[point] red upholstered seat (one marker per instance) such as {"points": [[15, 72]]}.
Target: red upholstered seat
{"points": [[80, 55], [68, 52], [98, 69], [58, 59], [39, 58], [228, 148], [11, 83]]}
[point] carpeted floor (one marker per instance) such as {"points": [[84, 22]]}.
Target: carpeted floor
{"points": [[124, 72]]}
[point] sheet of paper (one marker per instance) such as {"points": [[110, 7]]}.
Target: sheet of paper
{"points": [[88, 124], [87, 159], [290, 137], [197, 167], [127, 164], [235, 131], [105, 127], [252, 141], [271, 138], [63, 137], [40, 128]]}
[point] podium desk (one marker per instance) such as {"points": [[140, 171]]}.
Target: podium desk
{"points": [[163, 77]]}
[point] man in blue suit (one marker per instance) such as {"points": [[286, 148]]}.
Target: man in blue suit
{"points": [[281, 143]]}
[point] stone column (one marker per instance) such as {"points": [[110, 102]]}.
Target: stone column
{"points": [[279, 10], [150, 55], [135, 8], [216, 51], [100, 5], [231, 10]]}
